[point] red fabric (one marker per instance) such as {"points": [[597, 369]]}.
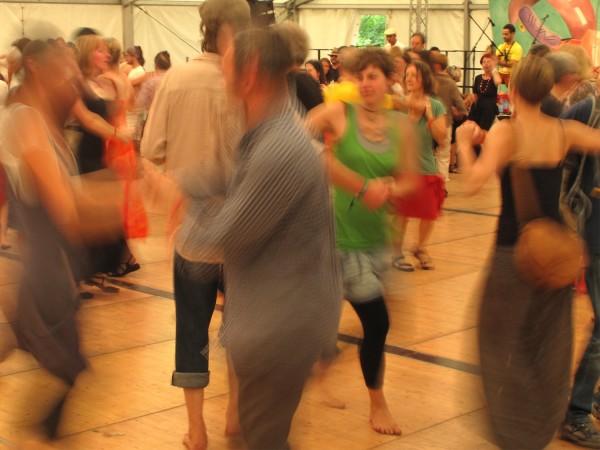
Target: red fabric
{"points": [[121, 158], [3, 186], [426, 202]]}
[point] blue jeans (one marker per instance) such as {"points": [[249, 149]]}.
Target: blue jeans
{"points": [[196, 285], [582, 396]]}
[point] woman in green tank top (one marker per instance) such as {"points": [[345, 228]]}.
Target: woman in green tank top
{"points": [[371, 144]]}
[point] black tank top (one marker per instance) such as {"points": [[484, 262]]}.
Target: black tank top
{"points": [[548, 183], [91, 147]]}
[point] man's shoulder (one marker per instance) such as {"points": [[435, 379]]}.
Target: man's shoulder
{"points": [[196, 73], [580, 111]]}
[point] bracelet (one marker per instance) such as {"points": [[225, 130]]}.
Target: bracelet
{"points": [[363, 190], [360, 194]]}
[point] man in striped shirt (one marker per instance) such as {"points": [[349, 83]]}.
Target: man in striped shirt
{"points": [[275, 231]]}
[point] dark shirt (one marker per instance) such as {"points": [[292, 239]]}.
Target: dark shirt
{"points": [[551, 106], [582, 112], [336, 74], [547, 181], [307, 91], [486, 90]]}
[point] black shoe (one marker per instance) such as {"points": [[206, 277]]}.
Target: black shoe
{"points": [[583, 434]]}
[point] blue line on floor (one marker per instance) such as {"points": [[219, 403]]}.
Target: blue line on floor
{"points": [[391, 349], [465, 211]]}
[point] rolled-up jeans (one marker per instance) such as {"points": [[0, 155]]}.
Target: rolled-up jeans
{"points": [[582, 395], [196, 286]]}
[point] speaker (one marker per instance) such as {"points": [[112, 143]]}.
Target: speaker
{"points": [[263, 12]]}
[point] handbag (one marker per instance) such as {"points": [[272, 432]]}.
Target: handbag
{"points": [[548, 254]]}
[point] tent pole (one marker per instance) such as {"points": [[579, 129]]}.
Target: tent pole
{"points": [[127, 14], [466, 41]]}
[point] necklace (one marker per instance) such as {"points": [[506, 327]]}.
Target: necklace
{"points": [[482, 89]]}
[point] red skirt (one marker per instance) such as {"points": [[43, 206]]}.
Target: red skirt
{"points": [[3, 186], [425, 202], [122, 159]]}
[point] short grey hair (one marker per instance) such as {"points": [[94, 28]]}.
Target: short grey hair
{"points": [[269, 47], [563, 64], [297, 38]]}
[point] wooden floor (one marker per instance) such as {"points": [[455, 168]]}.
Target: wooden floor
{"points": [[125, 400]]}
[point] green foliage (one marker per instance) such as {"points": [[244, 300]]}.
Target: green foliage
{"points": [[370, 32]]}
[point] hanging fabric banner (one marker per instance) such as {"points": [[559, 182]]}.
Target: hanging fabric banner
{"points": [[550, 22]]}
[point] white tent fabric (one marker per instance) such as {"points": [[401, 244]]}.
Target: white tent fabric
{"points": [[329, 23]]}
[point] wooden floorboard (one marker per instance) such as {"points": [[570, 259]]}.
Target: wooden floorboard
{"points": [[125, 401]]}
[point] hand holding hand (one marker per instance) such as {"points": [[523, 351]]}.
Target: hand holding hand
{"points": [[377, 193], [124, 134]]}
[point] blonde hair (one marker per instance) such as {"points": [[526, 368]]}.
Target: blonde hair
{"points": [[585, 66], [86, 46], [115, 50]]}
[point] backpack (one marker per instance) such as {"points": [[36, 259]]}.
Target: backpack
{"points": [[574, 198]]}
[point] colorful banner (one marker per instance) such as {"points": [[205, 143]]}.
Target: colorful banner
{"points": [[572, 21]]}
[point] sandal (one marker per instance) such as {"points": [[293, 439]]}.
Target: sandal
{"points": [[424, 259], [101, 283], [400, 263], [125, 268]]}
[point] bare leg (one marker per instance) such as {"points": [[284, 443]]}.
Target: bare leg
{"points": [[232, 425], [4, 226], [425, 230], [196, 438], [398, 232], [8, 342], [380, 416]]}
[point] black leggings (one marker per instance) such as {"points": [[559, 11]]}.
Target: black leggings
{"points": [[375, 322]]}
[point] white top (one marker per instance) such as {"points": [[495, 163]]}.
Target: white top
{"points": [[136, 73]]}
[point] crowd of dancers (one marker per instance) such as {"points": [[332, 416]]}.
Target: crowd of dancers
{"points": [[289, 190]]}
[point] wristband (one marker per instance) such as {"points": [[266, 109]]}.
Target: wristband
{"points": [[363, 190], [360, 194]]}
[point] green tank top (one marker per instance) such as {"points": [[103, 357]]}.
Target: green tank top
{"points": [[360, 228]]}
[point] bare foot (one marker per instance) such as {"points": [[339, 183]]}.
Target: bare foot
{"points": [[232, 422], [383, 422], [195, 442]]}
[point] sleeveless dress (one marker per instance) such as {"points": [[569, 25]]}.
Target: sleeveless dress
{"points": [[45, 323], [90, 158], [524, 334]]}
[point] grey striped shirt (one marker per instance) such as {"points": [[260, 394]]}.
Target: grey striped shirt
{"points": [[277, 237]]}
